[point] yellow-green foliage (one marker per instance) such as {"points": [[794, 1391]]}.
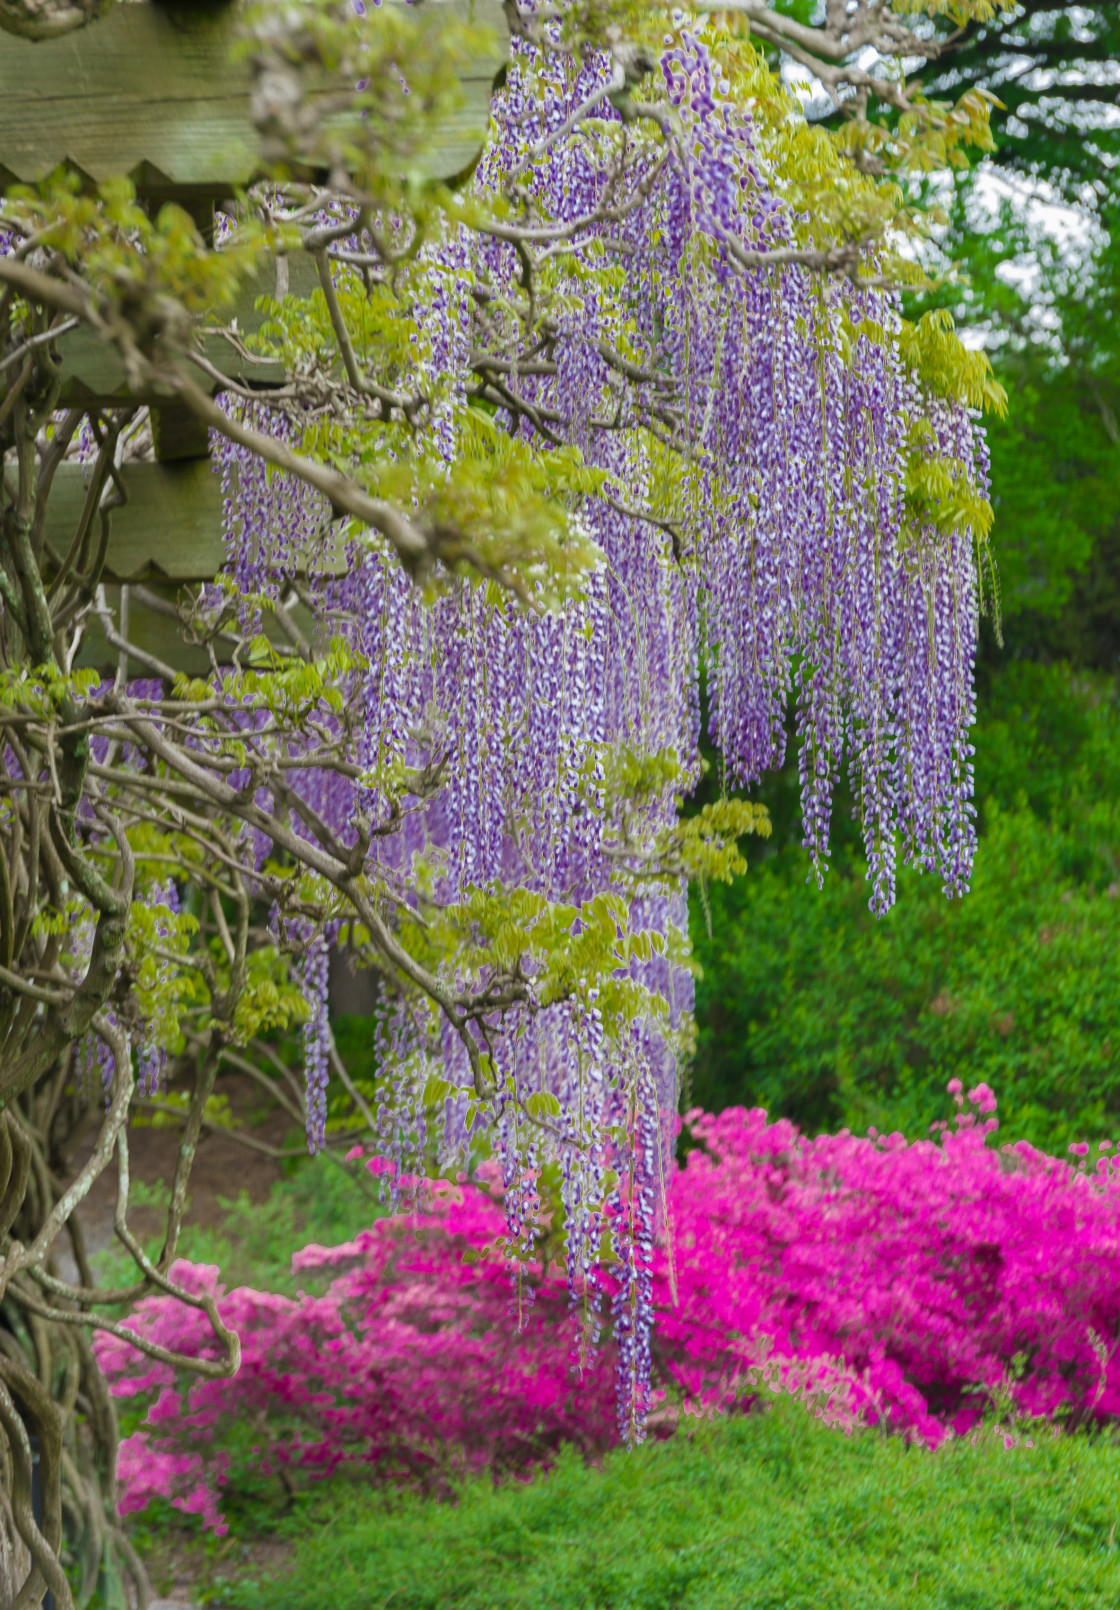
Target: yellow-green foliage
{"points": [[812, 167], [164, 985], [130, 260], [270, 1002], [42, 691], [705, 846], [946, 367]]}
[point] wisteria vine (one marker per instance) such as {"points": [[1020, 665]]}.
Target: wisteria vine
{"points": [[785, 562]]}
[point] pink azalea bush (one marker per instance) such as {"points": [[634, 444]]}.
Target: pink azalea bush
{"points": [[412, 1361], [946, 1273], [909, 1283]]}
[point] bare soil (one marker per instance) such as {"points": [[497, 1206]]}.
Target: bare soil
{"points": [[184, 1571], [223, 1167]]}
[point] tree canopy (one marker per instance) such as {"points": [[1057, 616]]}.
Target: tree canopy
{"points": [[1053, 66]]}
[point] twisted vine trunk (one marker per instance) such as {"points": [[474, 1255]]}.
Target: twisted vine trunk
{"points": [[15, 1560], [52, 1390], [53, 1398]]}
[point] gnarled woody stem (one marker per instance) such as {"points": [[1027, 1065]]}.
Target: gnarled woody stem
{"points": [[48, 19], [42, 1544]]}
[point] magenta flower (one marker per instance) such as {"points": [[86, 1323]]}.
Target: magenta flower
{"points": [[882, 1282]]}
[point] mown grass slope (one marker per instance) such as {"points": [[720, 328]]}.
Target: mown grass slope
{"points": [[769, 1511]]}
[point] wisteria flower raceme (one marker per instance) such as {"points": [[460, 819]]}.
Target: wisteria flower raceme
{"points": [[790, 557]]}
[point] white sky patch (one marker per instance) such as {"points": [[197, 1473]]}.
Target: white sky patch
{"points": [[1040, 204], [974, 337], [815, 99], [1074, 230]]}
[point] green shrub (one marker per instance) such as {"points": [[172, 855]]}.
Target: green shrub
{"points": [[763, 1512], [811, 1008], [1049, 736]]}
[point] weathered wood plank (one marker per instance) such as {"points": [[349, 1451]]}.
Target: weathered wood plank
{"points": [[178, 434], [169, 530], [167, 536], [153, 632], [93, 373], [150, 92]]}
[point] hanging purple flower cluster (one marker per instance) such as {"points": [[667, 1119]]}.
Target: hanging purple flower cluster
{"points": [[316, 1040], [781, 561], [151, 1056], [812, 580]]}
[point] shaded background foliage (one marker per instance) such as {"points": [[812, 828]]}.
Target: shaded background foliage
{"points": [[807, 1005]]}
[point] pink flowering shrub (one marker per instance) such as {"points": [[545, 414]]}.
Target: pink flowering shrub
{"points": [[909, 1283], [932, 1269], [412, 1361]]}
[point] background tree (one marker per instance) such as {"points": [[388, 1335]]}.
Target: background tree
{"points": [[1053, 67]]}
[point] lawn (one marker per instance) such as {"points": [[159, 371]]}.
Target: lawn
{"points": [[764, 1511]]}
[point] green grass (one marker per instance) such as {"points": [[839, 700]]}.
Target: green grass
{"points": [[318, 1201], [765, 1512]]}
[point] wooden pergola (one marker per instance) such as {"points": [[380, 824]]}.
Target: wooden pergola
{"points": [[150, 93]]}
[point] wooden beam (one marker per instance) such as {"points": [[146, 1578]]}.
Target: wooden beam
{"points": [[169, 530], [94, 376], [149, 630], [177, 434], [168, 536], [156, 632], [149, 92]]}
